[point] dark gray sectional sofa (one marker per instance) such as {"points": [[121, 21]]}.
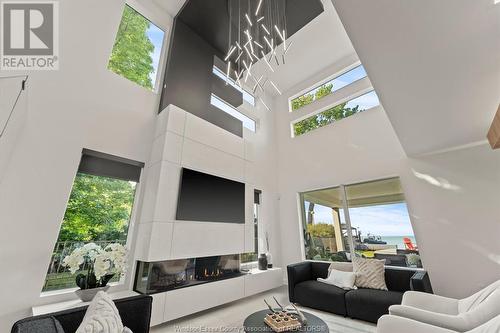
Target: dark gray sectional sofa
{"points": [[364, 304], [135, 313]]}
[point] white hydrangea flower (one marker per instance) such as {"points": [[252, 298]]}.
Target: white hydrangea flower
{"points": [[73, 262], [118, 256], [101, 265], [111, 259]]}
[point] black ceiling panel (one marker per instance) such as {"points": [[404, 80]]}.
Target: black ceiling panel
{"points": [[210, 18]]}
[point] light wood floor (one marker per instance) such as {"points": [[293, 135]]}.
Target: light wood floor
{"points": [[229, 318]]}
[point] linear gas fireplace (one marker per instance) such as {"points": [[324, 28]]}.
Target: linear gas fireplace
{"points": [[160, 276]]}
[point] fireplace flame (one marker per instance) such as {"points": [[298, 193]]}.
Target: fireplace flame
{"points": [[212, 273]]}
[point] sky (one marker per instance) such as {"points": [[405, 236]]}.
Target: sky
{"points": [[156, 36], [365, 101], [381, 220], [344, 79]]}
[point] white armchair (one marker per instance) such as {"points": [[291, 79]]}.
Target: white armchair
{"points": [[395, 324], [452, 314]]}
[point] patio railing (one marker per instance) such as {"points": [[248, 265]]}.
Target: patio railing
{"points": [[58, 276]]}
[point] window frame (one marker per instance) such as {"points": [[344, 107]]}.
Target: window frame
{"points": [[342, 187], [322, 82], [256, 213], [150, 15], [220, 74], [214, 96], [346, 99], [126, 281]]}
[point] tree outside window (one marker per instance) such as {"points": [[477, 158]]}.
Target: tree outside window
{"points": [[137, 49]]}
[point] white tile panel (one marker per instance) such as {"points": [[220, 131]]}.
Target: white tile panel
{"points": [[186, 301], [168, 189], [260, 281], [199, 239], [203, 158], [158, 308], [176, 119], [202, 131]]}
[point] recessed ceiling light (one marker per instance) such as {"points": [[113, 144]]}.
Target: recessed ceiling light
{"points": [[496, 1]]}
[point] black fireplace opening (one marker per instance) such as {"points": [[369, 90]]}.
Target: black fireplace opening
{"points": [[160, 276]]}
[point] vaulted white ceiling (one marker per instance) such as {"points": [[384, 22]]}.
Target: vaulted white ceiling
{"points": [[434, 64], [171, 6]]}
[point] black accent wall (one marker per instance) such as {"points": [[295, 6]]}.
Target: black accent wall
{"points": [[200, 33], [189, 79]]}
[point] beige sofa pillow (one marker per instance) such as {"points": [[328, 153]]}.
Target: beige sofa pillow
{"points": [[340, 266], [370, 273]]}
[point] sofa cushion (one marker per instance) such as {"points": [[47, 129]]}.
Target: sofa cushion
{"points": [[398, 279], [319, 270], [370, 304], [321, 296], [369, 273], [46, 325], [135, 312]]}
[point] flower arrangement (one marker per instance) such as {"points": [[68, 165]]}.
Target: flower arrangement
{"points": [[101, 264]]}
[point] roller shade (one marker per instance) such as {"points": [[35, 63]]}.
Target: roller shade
{"points": [[105, 165], [256, 196]]}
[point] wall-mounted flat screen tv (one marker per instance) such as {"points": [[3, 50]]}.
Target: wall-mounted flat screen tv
{"points": [[208, 198]]}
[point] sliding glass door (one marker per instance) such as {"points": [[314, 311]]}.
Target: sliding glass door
{"points": [[324, 228], [367, 219]]}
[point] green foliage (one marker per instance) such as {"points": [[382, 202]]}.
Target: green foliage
{"points": [[131, 55], [324, 118], [248, 257], [300, 101], [324, 230], [323, 91], [320, 253], [308, 98], [98, 209], [413, 260]]}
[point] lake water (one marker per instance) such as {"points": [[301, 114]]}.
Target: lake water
{"points": [[398, 240]]}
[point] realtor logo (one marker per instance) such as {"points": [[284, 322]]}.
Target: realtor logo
{"points": [[29, 35]]}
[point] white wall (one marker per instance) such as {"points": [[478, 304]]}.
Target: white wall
{"points": [[81, 105], [362, 147], [85, 105], [453, 199]]}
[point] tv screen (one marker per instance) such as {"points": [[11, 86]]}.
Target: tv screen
{"points": [[208, 198]]}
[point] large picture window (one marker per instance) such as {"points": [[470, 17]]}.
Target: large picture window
{"points": [[329, 87], [137, 49], [367, 220], [335, 113], [98, 211]]}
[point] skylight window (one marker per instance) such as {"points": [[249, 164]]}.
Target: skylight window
{"points": [[337, 112], [219, 103], [246, 95], [329, 87], [137, 49]]}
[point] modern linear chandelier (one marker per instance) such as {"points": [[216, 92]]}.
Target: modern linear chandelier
{"points": [[257, 30]]}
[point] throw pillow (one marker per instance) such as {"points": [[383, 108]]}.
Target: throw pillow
{"points": [[370, 273], [102, 316], [344, 280], [127, 330], [340, 266]]}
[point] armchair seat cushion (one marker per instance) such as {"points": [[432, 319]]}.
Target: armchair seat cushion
{"points": [[370, 304], [321, 296]]}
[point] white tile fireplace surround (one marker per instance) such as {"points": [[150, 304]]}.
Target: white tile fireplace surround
{"points": [[183, 140]]}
